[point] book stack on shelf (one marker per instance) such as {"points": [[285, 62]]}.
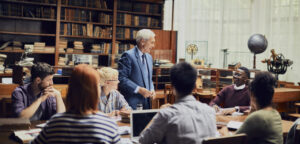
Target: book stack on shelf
{"points": [[63, 44], [2, 60], [61, 61], [78, 47], [39, 46]]}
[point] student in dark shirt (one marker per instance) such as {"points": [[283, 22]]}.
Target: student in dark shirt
{"points": [[38, 100], [235, 97]]}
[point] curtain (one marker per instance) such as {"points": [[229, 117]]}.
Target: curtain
{"points": [[228, 24]]}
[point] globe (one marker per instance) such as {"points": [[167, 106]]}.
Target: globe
{"points": [[257, 43]]}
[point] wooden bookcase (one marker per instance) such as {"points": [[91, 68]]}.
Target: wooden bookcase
{"points": [[110, 24]]}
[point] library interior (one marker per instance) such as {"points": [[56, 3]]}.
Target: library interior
{"points": [[150, 71]]}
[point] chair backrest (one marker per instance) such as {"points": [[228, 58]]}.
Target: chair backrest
{"points": [[62, 88], [169, 97], [234, 139], [6, 90], [297, 135], [292, 86]]}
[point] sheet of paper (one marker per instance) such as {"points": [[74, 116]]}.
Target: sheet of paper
{"points": [[234, 125], [122, 130]]}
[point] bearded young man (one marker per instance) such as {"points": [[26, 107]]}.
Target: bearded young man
{"points": [[235, 97], [38, 100]]}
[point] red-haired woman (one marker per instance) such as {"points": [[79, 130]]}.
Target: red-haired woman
{"points": [[82, 122]]}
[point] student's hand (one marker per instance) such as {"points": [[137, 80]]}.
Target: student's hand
{"points": [[228, 111], [144, 92], [217, 108], [153, 95], [224, 131], [44, 96], [113, 113], [52, 91], [165, 105]]}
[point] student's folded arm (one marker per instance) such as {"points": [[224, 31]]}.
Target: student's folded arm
{"points": [[155, 131]]}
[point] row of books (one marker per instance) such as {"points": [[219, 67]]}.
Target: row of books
{"points": [[86, 3], [103, 48], [85, 16], [41, 1], [85, 30], [9, 9], [126, 33], [128, 19], [126, 5], [122, 47]]}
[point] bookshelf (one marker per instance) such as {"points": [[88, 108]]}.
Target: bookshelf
{"points": [[101, 29]]}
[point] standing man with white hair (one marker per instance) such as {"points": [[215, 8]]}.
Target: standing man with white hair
{"points": [[135, 71]]}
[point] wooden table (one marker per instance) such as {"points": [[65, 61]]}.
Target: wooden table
{"points": [[7, 138], [286, 125], [286, 95]]}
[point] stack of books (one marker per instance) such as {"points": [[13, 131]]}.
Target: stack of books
{"points": [[2, 59], [78, 46], [69, 50], [95, 61], [62, 45], [96, 48], [49, 49], [61, 61], [39, 46], [17, 45]]}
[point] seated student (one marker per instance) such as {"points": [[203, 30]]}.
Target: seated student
{"points": [[263, 125], [292, 133], [187, 120], [38, 100], [235, 97], [111, 101], [82, 122]]}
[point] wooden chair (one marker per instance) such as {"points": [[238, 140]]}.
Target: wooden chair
{"points": [[296, 104], [5, 98], [63, 89], [284, 83], [234, 139], [168, 92], [297, 135]]}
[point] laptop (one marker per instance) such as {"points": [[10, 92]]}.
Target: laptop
{"points": [[139, 119]]}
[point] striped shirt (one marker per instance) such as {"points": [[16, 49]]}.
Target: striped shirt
{"points": [[116, 101], [74, 128]]}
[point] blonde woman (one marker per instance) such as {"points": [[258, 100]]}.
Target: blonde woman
{"points": [[111, 101]]}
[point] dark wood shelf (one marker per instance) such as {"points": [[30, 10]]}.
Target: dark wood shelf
{"points": [[118, 39], [85, 37], [140, 27], [100, 54], [26, 33], [27, 18], [28, 3], [81, 22], [139, 13], [150, 1], [86, 8], [22, 51]]}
